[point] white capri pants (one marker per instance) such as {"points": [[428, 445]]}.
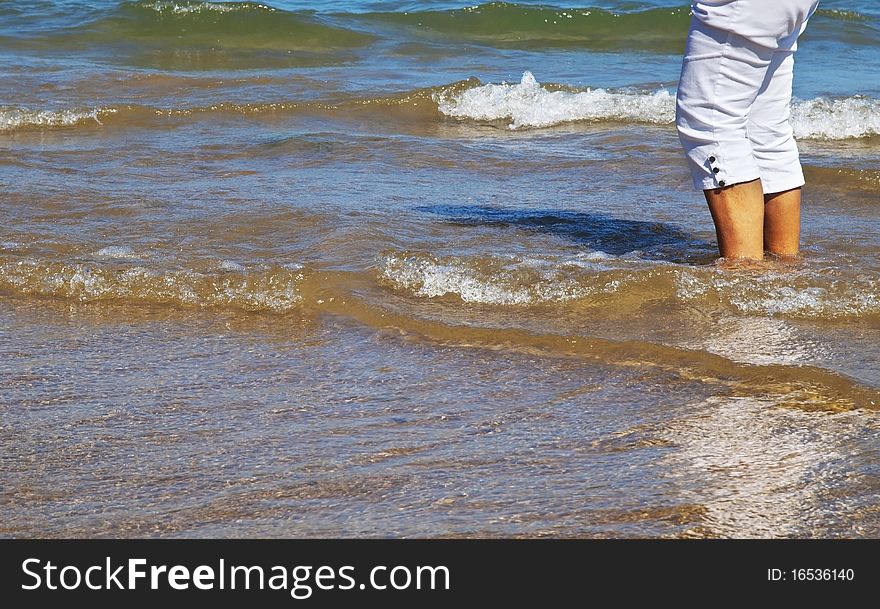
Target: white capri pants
{"points": [[732, 107]]}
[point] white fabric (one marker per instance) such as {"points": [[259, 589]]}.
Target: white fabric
{"points": [[732, 108], [775, 24]]}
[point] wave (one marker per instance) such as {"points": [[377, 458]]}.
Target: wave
{"points": [[418, 103], [528, 104], [12, 119], [633, 27], [843, 27], [167, 33], [183, 23], [600, 280], [519, 106], [201, 36], [841, 14], [506, 24], [188, 8], [603, 282], [221, 24], [490, 281], [239, 25], [112, 275], [848, 178], [836, 119], [226, 285]]}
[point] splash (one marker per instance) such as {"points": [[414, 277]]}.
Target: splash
{"points": [[21, 118], [185, 8], [836, 119], [529, 105], [272, 289], [496, 281]]}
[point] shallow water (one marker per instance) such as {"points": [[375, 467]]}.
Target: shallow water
{"points": [[414, 269]]}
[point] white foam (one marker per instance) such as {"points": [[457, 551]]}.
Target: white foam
{"points": [[805, 294], [836, 119], [117, 252], [428, 278], [498, 280], [16, 118], [231, 265], [529, 105], [184, 8], [274, 290], [425, 276]]}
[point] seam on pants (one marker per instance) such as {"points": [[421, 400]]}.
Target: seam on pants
{"points": [[721, 63], [722, 156]]}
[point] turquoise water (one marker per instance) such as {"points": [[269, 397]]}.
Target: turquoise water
{"points": [[419, 269]]}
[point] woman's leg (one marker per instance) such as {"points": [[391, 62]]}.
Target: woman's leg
{"points": [[722, 74], [782, 222], [738, 214], [776, 153]]}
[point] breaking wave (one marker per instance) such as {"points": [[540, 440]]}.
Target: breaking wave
{"points": [[273, 289], [600, 280], [528, 104]]}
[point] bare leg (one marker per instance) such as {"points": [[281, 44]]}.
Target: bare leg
{"points": [[782, 222], [738, 213]]}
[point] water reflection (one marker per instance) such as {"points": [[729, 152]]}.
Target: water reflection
{"points": [[761, 340], [763, 471]]}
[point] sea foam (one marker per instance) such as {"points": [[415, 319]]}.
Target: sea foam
{"points": [[18, 118], [495, 281], [117, 252], [271, 289], [610, 282], [528, 104], [836, 119], [185, 8]]}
